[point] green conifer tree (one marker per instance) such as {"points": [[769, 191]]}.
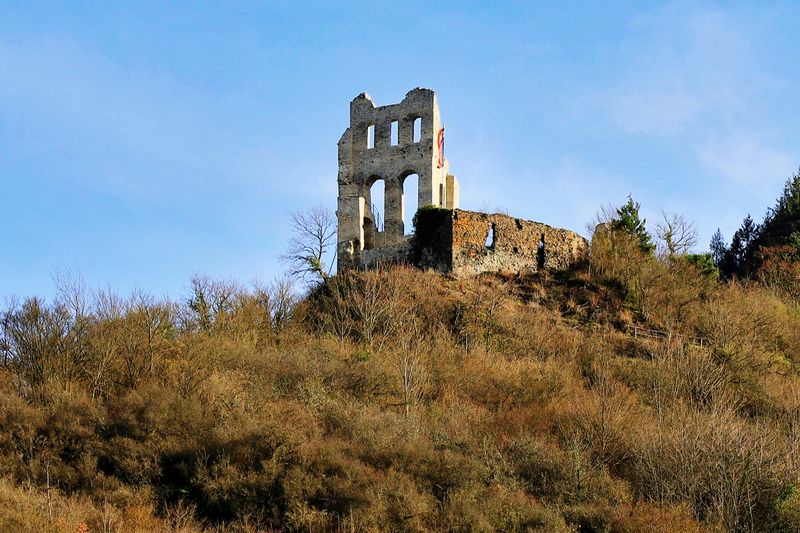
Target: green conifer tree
{"points": [[628, 221]]}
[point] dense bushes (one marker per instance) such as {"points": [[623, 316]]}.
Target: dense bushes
{"points": [[404, 401]]}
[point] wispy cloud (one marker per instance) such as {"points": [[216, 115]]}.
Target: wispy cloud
{"points": [[131, 133], [745, 160], [656, 111], [689, 65], [696, 78]]}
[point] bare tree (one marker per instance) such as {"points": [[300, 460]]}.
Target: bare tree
{"points": [[676, 233], [282, 300], [6, 346], [153, 321], [210, 303], [313, 234], [478, 317], [340, 318], [108, 305], [36, 344], [410, 368], [73, 295]]}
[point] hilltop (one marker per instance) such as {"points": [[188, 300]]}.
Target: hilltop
{"points": [[407, 400]]}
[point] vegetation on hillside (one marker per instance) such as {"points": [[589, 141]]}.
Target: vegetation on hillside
{"points": [[401, 400], [757, 250]]}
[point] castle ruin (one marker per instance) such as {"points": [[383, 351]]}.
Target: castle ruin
{"points": [[393, 142]]}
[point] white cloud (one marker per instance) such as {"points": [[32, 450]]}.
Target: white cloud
{"points": [[698, 79], [745, 160]]}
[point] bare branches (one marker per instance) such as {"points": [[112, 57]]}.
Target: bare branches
{"points": [[676, 233], [314, 232], [36, 343], [282, 299], [604, 215], [210, 302]]}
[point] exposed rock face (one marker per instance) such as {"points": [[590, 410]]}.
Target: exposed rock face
{"points": [[393, 142]]}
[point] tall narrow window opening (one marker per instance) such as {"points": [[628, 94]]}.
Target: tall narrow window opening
{"points": [[377, 195], [490, 237], [371, 136], [540, 253], [410, 202], [372, 224], [394, 134], [417, 129], [441, 195]]}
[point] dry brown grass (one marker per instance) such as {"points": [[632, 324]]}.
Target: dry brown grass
{"points": [[406, 401]]}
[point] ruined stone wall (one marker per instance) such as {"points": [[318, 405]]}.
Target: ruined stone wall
{"points": [[396, 254], [518, 245], [458, 244]]}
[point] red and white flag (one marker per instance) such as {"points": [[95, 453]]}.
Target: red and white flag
{"points": [[440, 144]]}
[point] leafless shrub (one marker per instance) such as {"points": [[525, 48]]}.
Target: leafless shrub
{"points": [[598, 419], [38, 346], [209, 304], [728, 469], [477, 317], [604, 215]]}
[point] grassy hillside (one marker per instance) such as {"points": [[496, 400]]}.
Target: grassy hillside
{"points": [[406, 401]]}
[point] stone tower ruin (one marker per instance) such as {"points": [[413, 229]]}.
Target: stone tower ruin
{"points": [[389, 143], [393, 142]]}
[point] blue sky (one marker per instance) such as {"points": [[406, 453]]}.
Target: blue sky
{"points": [[143, 142]]}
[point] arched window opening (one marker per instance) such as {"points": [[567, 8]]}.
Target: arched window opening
{"points": [[540, 253], [417, 129], [490, 237], [373, 216], [394, 137], [377, 193], [410, 202], [371, 136]]}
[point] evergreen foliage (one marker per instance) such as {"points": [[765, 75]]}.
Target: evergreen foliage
{"points": [[780, 228], [706, 264], [718, 248], [737, 260], [427, 220], [628, 221]]}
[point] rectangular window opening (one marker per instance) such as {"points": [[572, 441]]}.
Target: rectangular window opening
{"points": [[394, 134], [371, 136], [540, 253], [417, 129], [490, 237]]}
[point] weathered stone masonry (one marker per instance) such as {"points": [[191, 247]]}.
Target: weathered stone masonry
{"points": [[448, 239], [466, 243], [363, 161]]}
